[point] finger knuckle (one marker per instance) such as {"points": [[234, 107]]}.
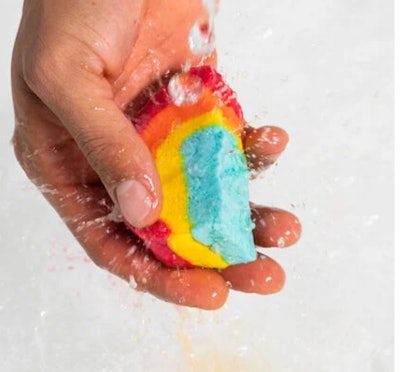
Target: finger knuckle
{"points": [[98, 151], [44, 69]]}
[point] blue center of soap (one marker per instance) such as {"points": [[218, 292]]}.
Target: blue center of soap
{"points": [[217, 179]]}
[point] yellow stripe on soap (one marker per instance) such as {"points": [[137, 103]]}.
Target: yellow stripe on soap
{"points": [[174, 213]]}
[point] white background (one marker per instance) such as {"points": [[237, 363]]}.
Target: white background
{"points": [[323, 70]]}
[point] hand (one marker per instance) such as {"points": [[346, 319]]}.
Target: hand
{"points": [[76, 66]]}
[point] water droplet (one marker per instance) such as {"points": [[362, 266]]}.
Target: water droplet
{"points": [[115, 215], [281, 242], [201, 39], [182, 300], [146, 259], [266, 34], [132, 282], [131, 251], [185, 89], [373, 218]]}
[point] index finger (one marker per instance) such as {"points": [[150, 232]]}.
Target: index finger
{"points": [[263, 146]]}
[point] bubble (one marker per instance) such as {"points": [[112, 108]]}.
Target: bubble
{"points": [[185, 89], [201, 39]]}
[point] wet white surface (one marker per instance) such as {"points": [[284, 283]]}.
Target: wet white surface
{"points": [[323, 71]]}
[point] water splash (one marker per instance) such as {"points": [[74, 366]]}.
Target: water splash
{"points": [[185, 89], [201, 39], [212, 6], [201, 35]]}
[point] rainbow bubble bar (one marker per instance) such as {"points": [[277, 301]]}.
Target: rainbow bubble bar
{"points": [[197, 148]]}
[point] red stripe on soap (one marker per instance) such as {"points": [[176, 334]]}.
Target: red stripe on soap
{"points": [[211, 80], [156, 239], [214, 81]]}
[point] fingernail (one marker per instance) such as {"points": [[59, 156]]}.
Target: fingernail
{"points": [[134, 202]]}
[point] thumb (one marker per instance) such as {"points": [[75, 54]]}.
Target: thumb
{"points": [[114, 149], [121, 159]]}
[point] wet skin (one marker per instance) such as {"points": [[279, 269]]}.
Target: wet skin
{"points": [[74, 70]]}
